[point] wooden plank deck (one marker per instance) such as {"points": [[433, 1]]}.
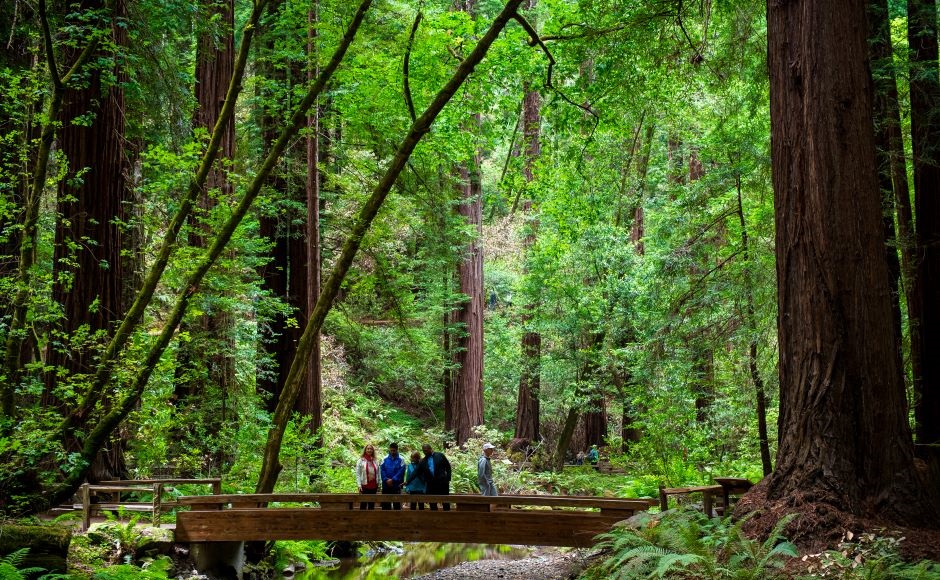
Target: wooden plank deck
{"points": [[530, 520]]}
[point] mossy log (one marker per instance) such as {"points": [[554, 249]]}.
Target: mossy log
{"points": [[48, 545]]}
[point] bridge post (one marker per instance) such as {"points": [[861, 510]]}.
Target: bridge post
{"points": [[219, 559]]}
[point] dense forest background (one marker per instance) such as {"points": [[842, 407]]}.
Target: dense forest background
{"points": [[580, 250]]}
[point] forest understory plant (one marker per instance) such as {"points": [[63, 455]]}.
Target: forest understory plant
{"points": [[685, 543]]}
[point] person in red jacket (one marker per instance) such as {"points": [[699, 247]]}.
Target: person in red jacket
{"points": [[367, 475]]}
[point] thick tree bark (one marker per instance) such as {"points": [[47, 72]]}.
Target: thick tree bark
{"points": [[205, 363], [925, 136], [595, 421], [527, 403], [88, 268], [843, 433], [467, 399]]}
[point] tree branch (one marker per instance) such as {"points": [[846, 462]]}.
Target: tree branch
{"points": [[535, 40], [405, 66]]}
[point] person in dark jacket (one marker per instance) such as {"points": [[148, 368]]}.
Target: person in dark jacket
{"points": [[393, 475], [436, 472]]}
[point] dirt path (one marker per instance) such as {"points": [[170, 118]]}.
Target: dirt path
{"points": [[548, 566]]}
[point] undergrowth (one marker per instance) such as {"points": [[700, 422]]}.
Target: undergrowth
{"points": [[687, 544]]}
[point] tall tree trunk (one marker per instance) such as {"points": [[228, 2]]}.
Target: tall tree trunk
{"points": [[88, 268], [21, 128], [703, 364], [309, 404], [527, 405], [466, 400], [629, 430], [205, 363], [887, 137], [844, 439], [760, 391], [286, 273], [925, 136]]}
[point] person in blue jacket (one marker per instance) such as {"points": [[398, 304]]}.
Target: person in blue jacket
{"points": [[593, 456], [414, 482], [393, 475]]}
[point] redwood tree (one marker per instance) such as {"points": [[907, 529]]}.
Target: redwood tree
{"points": [[844, 439], [207, 359], [527, 406], [925, 138], [88, 268], [466, 396]]}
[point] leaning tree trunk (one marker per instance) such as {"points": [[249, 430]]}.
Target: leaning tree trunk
{"points": [[925, 137], [844, 439]]}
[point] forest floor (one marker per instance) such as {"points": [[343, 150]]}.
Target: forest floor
{"points": [[820, 527], [548, 565]]}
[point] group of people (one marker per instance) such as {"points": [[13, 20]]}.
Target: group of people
{"points": [[592, 456], [428, 475]]}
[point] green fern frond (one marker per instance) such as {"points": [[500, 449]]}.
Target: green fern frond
{"points": [[667, 562], [15, 558], [776, 534]]}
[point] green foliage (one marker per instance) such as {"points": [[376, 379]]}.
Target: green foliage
{"points": [[869, 556], [680, 544], [651, 331], [159, 569], [10, 566], [307, 552]]}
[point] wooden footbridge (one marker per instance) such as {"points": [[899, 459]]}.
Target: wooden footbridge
{"points": [[536, 520]]}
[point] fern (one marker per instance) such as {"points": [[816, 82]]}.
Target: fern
{"points": [[699, 546], [10, 566], [667, 562]]}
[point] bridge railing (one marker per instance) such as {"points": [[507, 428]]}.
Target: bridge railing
{"points": [[515, 519]]}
